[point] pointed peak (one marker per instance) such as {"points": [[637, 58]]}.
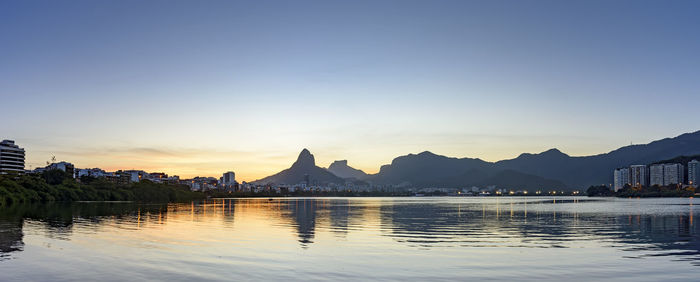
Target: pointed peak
{"points": [[305, 159]]}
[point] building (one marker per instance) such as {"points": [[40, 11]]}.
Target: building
{"points": [[621, 177], [134, 175], [639, 175], [673, 174], [656, 175], [11, 157], [63, 166], [229, 178], [693, 173], [91, 172]]}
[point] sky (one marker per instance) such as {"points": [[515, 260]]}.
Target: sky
{"points": [[203, 87]]}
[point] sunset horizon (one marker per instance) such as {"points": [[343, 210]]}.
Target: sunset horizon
{"points": [[317, 140]]}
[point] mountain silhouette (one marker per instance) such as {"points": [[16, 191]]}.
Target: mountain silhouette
{"points": [[430, 170], [304, 166], [548, 170], [581, 172], [341, 169]]}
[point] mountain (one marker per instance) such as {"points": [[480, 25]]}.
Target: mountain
{"points": [[297, 173], [424, 169], [341, 169], [430, 170], [550, 169], [684, 160], [581, 172]]}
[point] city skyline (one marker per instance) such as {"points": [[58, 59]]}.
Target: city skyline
{"points": [[224, 86], [681, 146]]}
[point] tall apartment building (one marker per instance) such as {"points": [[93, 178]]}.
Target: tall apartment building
{"points": [[639, 175], [621, 177], [656, 175], [229, 178], [693, 172], [11, 157], [673, 174]]}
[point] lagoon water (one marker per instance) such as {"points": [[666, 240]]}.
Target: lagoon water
{"points": [[440, 238]]}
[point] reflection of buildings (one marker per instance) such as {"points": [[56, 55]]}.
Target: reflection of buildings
{"points": [[339, 215], [409, 222]]}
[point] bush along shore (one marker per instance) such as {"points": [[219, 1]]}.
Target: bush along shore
{"points": [[58, 186], [642, 192]]}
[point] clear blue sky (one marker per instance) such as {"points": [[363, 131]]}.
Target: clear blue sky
{"points": [[202, 87]]}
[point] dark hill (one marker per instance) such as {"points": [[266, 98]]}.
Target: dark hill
{"points": [[343, 170], [581, 172], [304, 165]]}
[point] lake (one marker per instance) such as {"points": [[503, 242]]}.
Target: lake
{"points": [[420, 238]]}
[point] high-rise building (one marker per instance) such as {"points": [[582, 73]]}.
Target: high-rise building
{"points": [[11, 157], [673, 174], [639, 175], [693, 172], [656, 175], [621, 177], [229, 178]]}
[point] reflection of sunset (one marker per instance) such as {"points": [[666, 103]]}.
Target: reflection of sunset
{"points": [[283, 238]]}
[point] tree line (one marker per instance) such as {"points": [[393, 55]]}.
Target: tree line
{"points": [[59, 186], [642, 192]]}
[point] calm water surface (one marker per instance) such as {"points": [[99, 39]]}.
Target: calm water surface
{"points": [[440, 238]]}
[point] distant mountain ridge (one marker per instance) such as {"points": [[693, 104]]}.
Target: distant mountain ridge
{"points": [[550, 169], [581, 172], [341, 169], [430, 170]]}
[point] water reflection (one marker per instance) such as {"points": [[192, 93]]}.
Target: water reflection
{"points": [[639, 228]]}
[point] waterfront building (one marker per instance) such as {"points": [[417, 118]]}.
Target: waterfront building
{"points": [[639, 175], [693, 173], [11, 157], [621, 177], [92, 172], [63, 166], [134, 175], [229, 178], [656, 175], [673, 174]]}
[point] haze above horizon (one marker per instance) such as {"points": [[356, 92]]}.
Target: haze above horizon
{"points": [[200, 88]]}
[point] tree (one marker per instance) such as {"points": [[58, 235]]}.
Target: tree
{"points": [[599, 191]]}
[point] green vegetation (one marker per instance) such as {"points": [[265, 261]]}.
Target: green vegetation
{"points": [[643, 192], [599, 191], [58, 186], [656, 191]]}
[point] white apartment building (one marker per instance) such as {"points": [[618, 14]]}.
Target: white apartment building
{"points": [[673, 174], [693, 172], [621, 177], [11, 157], [656, 174]]}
